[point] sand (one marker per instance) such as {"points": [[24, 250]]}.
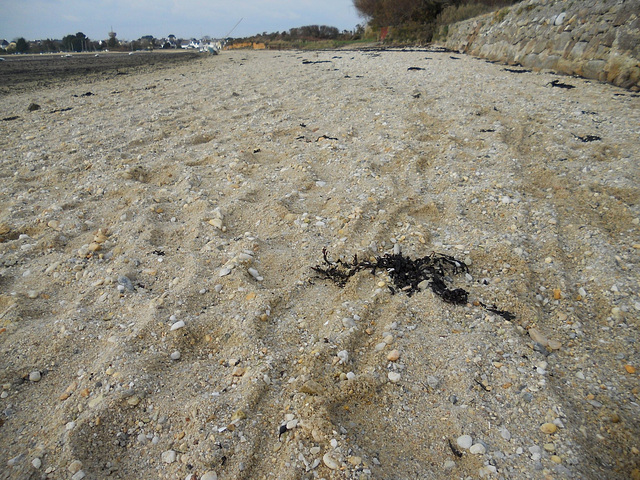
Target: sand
{"points": [[160, 318]]}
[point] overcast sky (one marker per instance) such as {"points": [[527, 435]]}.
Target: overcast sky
{"points": [[132, 19]]}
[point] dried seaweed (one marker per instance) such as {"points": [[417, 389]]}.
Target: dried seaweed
{"points": [[587, 138], [407, 274], [557, 83], [513, 70]]}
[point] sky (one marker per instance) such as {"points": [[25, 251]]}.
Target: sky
{"points": [[132, 19]]}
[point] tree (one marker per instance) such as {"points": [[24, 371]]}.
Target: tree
{"points": [[22, 46], [76, 43]]}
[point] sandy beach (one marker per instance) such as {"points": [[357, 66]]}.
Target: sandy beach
{"points": [[160, 316]]}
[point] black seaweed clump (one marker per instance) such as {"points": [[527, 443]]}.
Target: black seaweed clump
{"points": [[405, 272]]}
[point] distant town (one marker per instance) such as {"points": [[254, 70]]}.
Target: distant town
{"points": [[321, 36], [81, 43]]}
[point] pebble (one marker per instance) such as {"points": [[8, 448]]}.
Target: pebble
{"points": [[36, 463], [210, 475], [254, 273], [380, 346], [348, 322], [393, 355], [177, 325], [393, 377], [169, 456], [330, 461], [78, 475], [477, 449], [432, 381], [449, 465], [504, 433], [548, 428], [75, 466], [175, 355], [464, 441], [35, 376], [125, 282]]}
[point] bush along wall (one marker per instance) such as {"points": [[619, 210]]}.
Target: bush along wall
{"points": [[598, 39]]}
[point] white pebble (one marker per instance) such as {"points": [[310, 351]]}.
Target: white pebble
{"points": [[70, 425], [36, 462], [330, 462], [582, 292], [177, 325], [348, 322], [254, 273], [343, 355], [224, 271], [79, 475], [504, 433], [464, 441], [169, 456], [477, 449], [393, 377], [210, 475], [351, 376], [35, 376], [175, 355]]}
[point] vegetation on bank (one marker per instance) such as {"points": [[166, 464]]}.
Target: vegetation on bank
{"points": [[399, 22]]}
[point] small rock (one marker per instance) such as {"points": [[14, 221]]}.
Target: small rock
{"points": [[75, 466], [432, 381], [238, 371], [330, 461], [311, 387], [33, 107], [175, 355], [504, 433], [35, 376], [548, 428], [348, 322], [210, 475], [393, 377], [477, 449], [125, 282], [36, 463], [78, 475], [169, 456], [449, 465], [179, 324], [630, 368], [464, 441], [393, 355]]}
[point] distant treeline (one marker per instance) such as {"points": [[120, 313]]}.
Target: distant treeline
{"points": [[299, 36]]}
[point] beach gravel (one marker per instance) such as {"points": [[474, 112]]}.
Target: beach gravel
{"points": [[158, 229]]}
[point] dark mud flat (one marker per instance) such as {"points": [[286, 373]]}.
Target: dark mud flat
{"points": [[20, 73]]}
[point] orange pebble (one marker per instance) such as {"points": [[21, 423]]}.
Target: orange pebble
{"points": [[630, 368]]}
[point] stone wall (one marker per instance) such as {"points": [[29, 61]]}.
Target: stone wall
{"points": [[597, 39]]}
